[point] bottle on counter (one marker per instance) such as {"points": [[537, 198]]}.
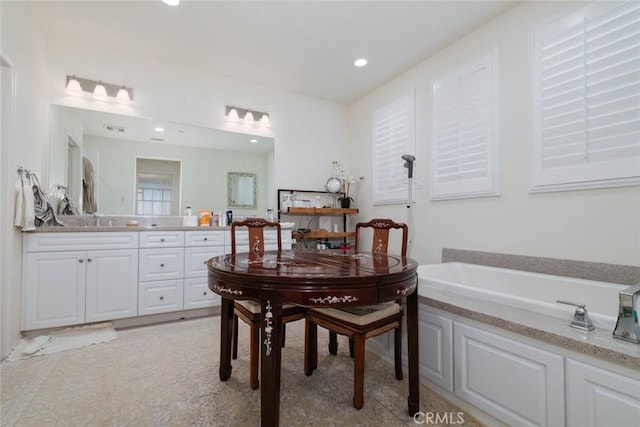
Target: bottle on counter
{"points": [[188, 211], [270, 215], [229, 218]]}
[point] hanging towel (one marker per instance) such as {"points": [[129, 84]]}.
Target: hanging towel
{"points": [[89, 204], [24, 203], [43, 211]]}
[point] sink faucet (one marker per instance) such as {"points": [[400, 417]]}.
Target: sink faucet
{"points": [[581, 319], [97, 217], [627, 326]]}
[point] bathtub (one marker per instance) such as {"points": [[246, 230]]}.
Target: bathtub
{"points": [[528, 291]]}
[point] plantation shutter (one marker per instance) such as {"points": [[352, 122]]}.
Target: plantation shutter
{"points": [[464, 144], [587, 98], [393, 135]]}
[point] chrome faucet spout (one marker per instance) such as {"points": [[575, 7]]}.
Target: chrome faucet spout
{"points": [[628, 327]]}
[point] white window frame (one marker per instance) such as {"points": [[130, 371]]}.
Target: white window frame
{"points": [[462, 187], [389, 181], [590, 174]]}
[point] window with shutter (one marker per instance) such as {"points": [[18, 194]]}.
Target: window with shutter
{"points": [[586, 112], [393, 135], [465, 149]]}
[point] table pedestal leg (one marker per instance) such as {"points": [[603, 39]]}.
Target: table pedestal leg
{"points": [[412, 347], [270, 353], [226, 323]]}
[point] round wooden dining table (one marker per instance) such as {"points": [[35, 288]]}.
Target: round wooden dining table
{"points": [[310, 278]]}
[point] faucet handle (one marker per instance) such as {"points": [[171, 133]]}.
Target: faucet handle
{"points": [[581, 319]]}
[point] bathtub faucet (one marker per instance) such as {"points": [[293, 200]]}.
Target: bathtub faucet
{"points": [[627, 327], [581, 319]]}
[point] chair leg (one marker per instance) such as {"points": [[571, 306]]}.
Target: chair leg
{"points": [[254, 355], [358, 372], [283, 333], [333, 343], [234, 338], [351, 347], [398, 351], [310, 347]]}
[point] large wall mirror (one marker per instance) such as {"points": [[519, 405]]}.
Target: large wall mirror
{"points": [[142, 166]]}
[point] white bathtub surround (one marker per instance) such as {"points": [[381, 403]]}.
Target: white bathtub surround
{"points": [[524, 303], [496, 346], [613, 273]]}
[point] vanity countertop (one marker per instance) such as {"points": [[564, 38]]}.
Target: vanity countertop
{"points": [[107, 228], [598, 343]]}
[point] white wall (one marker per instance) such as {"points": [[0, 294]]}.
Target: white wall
{"points": [[26, 145], [590, 225]]}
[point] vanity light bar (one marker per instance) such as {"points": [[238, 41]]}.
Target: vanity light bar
{"points": [[248, 116], [100, 90]]}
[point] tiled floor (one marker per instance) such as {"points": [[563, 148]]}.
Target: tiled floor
{"points": [[167, 375]]}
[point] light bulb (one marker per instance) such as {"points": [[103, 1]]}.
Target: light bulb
{"points": [[123, 96], [233, 115], [100, 93], [171, 2], [264, 120], [248, 118], [73, 87]]}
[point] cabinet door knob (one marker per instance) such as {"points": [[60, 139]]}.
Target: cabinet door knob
{"points": [[162, 239], [80, 259], [89, 259], [205, 239], [161, 298], [204, 293], [205, 262], [162, 265]]}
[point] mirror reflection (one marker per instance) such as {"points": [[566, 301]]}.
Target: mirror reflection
{"points": [[121, 165], [241, 190]]}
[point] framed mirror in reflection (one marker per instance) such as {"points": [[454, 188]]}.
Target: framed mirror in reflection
{"points": [[241, 190], [144, 167]]}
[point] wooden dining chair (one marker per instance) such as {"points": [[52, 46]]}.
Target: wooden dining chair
{"points": [[360, 322], [248, 310]]}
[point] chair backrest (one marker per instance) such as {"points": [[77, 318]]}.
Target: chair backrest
{"points": [[255, 227], [381, 229]]}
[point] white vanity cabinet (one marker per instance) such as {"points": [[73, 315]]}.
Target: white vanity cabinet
{"points": [[161, 272], [73, 278], [515, 382], [199, 247], [436, 348], [597, 397]]}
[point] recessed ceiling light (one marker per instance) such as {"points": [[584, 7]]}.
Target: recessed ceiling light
{"points": [[360, 62], [159, 129], [254, 141], [171, 2]]}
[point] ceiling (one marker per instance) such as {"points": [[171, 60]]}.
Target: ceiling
{"points": [[305, 47]]}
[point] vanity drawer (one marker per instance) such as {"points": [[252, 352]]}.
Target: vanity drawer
{"points": [[161, 239], [205, 238], [79, 241], [197, 294], [195, 260], [160, 297], [161, 264]]}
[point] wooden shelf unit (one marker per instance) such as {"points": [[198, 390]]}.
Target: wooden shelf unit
{"points": [[314, 234], [321, 211], [323, 234]]}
